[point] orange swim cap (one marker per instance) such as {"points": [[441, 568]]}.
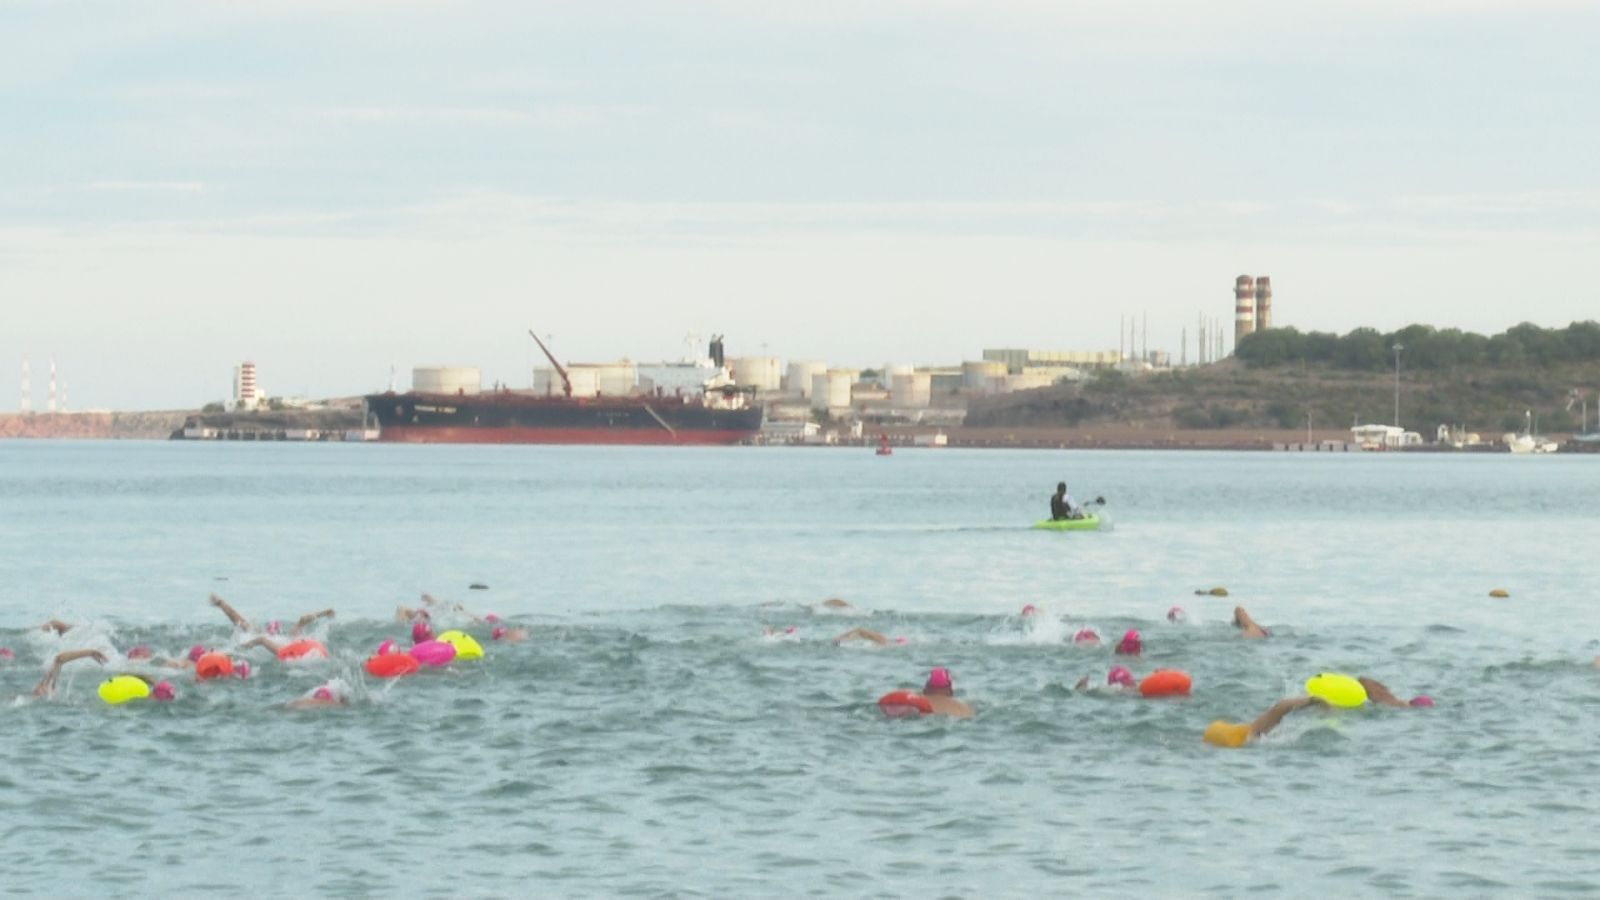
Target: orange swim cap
{"points": [[1227, 734]]}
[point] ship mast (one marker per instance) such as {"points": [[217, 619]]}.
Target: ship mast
{"points": [[566, 383]]}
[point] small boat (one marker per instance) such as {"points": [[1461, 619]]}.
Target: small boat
{"points": [[1090, 522]]}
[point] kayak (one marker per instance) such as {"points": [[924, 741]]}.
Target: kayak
{"points": [[1090, 522]]}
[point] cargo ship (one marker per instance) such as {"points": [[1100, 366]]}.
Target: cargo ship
{"points": [[716, 413]]}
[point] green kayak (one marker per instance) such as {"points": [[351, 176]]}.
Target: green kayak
{"points": [[1090, 522]]}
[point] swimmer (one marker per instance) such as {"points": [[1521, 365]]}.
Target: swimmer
{"points": [[940, 691], [302, 649], [243, 624], [1120, 678], [332, 693], [1130, 645], [1087, 636], [517, 635], [836, 603], [772, 631], [1234, 735], [1029, 610], [1176, 614], [456, 607], [47, 685], [862, 634], [56, 625], [1380, 694], [1248, 629]]}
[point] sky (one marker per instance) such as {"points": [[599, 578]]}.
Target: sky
{"points": [[335, 188]]}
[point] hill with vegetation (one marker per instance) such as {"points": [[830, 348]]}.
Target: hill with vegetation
{"points": [[1277, 378]]}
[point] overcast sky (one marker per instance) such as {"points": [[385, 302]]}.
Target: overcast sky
{"points": [[330, 188]]}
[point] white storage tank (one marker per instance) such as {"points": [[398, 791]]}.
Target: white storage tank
{"points": [[831, 389], [615, 379], [547, 382], [911, 389], [891, 371], [801, 371], [446, 380], [976, 375], [764, 373]]}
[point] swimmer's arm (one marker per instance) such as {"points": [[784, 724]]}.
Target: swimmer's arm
{"points": [[47, 684], [865, 634], [56, 625], [262, 641], [1270, 719], [404, 613], [308, 618], [1379, 693], [238, 621], [428, 599]]}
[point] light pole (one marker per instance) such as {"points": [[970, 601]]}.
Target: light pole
{"points": [[1397, 348]]}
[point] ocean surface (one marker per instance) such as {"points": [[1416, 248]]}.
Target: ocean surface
{"points": [[649, 738]]}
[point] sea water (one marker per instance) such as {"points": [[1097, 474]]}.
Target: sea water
{"points": [[650, 738]]}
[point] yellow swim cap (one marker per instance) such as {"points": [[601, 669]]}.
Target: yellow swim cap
{"points": [[123, 688], [1227, 734], [466, 647]]}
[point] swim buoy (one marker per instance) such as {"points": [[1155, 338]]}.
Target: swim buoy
{"points": [[897, 704], [434, 653], [303, 648], [1166, 683], [466, 647], [1338, 690], [212, 665], [123, 688], [391, 665]]}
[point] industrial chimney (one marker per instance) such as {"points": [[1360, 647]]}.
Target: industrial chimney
{"points": [[1244, 307], [1263, 303]]}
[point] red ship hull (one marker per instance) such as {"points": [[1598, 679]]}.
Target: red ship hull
{"points": [[445, 435]]}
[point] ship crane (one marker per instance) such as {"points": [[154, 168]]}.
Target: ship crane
{"points": [[566, 383]]}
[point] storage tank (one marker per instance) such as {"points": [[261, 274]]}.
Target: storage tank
{"points": [[547, 382], [831, 389], [891, 371], [976, 375], [614, 379], [801, 371], [764, 373], [446, 380], [911, 389]]}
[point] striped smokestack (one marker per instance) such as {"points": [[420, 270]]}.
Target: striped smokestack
{"points": [[1263, 303], [1244, 307]]}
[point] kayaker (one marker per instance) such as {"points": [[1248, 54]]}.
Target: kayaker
{"points": [[1062, 506]]}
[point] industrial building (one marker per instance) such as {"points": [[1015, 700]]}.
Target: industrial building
{"points": [[1019, 361]]}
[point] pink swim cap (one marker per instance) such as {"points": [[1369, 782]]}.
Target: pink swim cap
{"points": [[902, 640], [242, 669], [1422, 700], [420, 631], [274, 627], [164, 691], [386, 647], [938, 680], [498, 632], [1086, 636], [196, 652], [491, 618], [1120, 675], [1131, 645], [5, 653], [1176, 614], [139, 651], [322, 693], [790, 630], [1029, 610]]}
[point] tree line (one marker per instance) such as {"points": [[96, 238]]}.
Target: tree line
{"points": [[1424, 347]]}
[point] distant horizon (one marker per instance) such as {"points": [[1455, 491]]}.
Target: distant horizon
{"points": [[332, 189]]}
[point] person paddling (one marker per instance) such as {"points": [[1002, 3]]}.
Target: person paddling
{"points": [[1062, 506]]}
